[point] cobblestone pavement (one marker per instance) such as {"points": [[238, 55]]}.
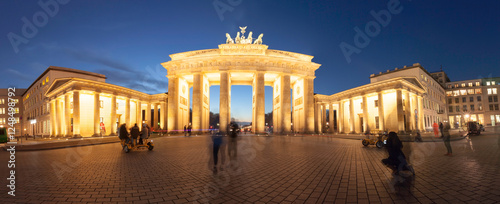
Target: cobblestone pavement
{"points": [[280, 169]]}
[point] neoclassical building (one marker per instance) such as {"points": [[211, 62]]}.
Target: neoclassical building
{"points": [[242, 61]]}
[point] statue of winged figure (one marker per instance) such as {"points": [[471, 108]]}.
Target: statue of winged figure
{"points": [[243, 30]]}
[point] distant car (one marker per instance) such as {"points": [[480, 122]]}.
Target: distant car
{"points": [[3, 135], [473, 128]]}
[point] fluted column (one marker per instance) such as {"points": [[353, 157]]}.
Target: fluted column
{"points": [[352, 127], [413, 116], [173, 103], [113, 115], [138, 116], [197, 101], [407, 111], [148, 114], [340, 119], [324, 120], [366, 122], [400, 112], [97, 114], [309, 104], [420, 113], [224, 101], [163, 113], [286, 112], [76, 113], [52, 119], [332, 114], [259, 103], [155, 116], [67, 114], [127, 112], [381, 115], [58, 118]]}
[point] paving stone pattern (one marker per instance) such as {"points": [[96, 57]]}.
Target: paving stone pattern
{"points": [[280, 169]]}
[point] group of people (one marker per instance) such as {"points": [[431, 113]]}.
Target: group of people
{"points": [[219, 145], [444, 128], [187, 130], [135, 133]]}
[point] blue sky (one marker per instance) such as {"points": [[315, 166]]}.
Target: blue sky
{"points": [[127, 40]]}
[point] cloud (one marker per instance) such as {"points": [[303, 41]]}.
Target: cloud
{"points": [[18, 75], [93, 57], [148, 80]]}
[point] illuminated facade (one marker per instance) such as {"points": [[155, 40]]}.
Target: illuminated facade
{"points": [[474, 100], [239, 62], [18, 109], [400, 100]]}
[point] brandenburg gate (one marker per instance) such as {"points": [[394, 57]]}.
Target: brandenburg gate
{"points": [[242, 61]]}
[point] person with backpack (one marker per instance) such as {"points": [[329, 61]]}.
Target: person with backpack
{"points": [[134, 132], [123, 133], [144, 134]]}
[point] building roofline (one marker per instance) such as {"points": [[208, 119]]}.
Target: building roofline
{"points": [[416, 65], [65, 69]]}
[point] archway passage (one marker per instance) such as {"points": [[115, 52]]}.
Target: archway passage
{"points": [[242, 64]]}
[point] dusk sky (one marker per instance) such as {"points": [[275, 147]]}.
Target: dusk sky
{"points": [[127, 40]]}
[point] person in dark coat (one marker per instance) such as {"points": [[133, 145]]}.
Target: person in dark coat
{"points": [[441, 129], [134, 132], [396, 160], [217, 139], [144, 134], [185, 130], [123, 133], [189, 130], [446, 139]]}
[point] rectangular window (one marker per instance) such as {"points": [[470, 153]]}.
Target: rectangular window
{"points": [[450, 101], [377, 125], [495, 98], [480, 107], [491, 107], [376, 103], [101, 104], [471, 99], [457, 108], [496, 106], [464, 99], [465, 108], [488, 83], [2, 101], [470, 91], [449, 86], [118, 105], [463, 84], [449, 93], [457, 100], [478, 91], [456, 93], [490, 99], [450, 109], [463, 92], [471, 107], [492, 82], [16, 110], [478, 98], [494, 90], [477, 83], [470, 84], [2, 110], [456, 85], [489, 91]]}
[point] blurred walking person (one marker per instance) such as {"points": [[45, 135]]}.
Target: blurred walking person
{"points": [[435, 126], [217, 140], [447, 138], [145, 133], [134, 132]]}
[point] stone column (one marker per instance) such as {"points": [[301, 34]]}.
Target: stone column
{"points": [[197, 101], [173, 103], [52, 119], [317, 118], [58, 118], [163, 113], [381, 115], [366, 124], [127, 113], [420, 113], [407, 111], [352, 127], [323, 121], [224, 101], [340, 119], [400, 112], [414, 107], [155, 116], [147, 114], [97, 114], [76, 113], [259, 103], [138, 116], [286, 112], [113, 115], [332, 114], [309, 104], [67, 114]]}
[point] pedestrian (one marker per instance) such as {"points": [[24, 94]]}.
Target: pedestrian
{"points": [[217, 138], [189, 130], [135, 132], [185, 131], [441, 129], [145, 133], [447, 138], [123, 133], [396, 160], [435, 126]]}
